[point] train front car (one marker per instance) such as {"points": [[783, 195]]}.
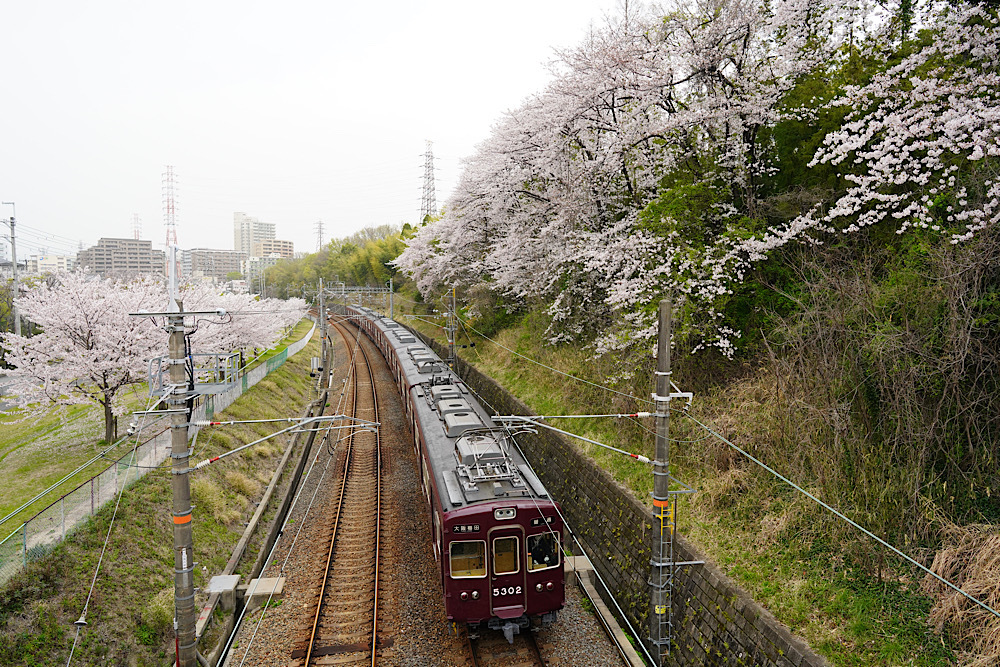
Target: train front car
{"points": [[498, 534], [501, 562]]}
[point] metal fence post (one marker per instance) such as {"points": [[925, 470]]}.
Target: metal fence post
{"points": [[24, 545], [62, 515]]}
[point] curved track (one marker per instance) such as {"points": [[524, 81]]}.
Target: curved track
{"points": [[344, 619]]}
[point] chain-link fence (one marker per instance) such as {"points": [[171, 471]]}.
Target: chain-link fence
{"points": [[39, 534]]}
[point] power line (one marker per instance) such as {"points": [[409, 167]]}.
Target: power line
{"points": [[763, 465], [841, 516]]}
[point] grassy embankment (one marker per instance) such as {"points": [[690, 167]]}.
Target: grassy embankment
{"points": [[130, 613], [38, 450], [771, 540]]}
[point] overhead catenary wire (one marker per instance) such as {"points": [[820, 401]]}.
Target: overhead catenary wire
{"points": [[341, 403], [840, 515], [712, 433], [566, 523], [556, 370]]}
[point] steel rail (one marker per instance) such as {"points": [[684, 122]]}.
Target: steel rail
{"points": [[378, 498], [474, 646], [350, 455], [336, 523]]}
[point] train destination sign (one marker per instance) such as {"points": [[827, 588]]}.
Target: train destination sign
{"points": [[466, 528]]}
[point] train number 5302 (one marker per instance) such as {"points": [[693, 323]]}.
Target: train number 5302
{"points": [[509, 590]]}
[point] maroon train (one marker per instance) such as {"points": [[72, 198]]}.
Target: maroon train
{"points": [[497, 535]]}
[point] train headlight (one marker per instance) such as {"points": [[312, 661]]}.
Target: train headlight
{"points": [[475, 595], [538, 587], [505, 514]]}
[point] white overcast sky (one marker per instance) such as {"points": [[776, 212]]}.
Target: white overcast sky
{"points": [[292, 112]]}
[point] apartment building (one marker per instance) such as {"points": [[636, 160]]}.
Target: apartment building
{"points": [[271, 247], [114, 256], [212, 263], [41, 264]]}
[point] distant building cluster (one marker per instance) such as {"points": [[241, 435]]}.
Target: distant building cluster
{"points": [[255, 247]]}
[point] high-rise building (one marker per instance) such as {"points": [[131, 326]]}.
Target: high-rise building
{"points": [[123, 257], [270, 247], [247, 231]]}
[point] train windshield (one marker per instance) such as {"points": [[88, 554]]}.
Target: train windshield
{"points": [[468, 559], [543, 551], [505, 555]]}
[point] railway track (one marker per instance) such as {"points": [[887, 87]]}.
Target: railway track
{"points": [[493, 650], [343, 621]]}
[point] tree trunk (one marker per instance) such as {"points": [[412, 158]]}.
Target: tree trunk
{"points": [[109, 423]]}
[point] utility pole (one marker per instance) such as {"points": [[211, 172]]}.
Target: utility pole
{"points": [[184, 609], [661, 564], [322, 322], [451, 331], [390, 299], [13, 252]]}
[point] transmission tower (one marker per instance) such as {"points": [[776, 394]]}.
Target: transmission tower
{"points": [[428, 205], [136, 226], [319, 235], [170, 213]]}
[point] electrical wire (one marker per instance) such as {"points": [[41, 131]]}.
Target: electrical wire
{"points": [[341, 403], [82, 621], [414, 317], [842, 517], [556, 370]]}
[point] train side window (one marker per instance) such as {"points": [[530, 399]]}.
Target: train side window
{"points": [[543, 551], [505, 555], [468, 559]]}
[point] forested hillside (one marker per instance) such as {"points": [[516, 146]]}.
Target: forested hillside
{"points": [[817, 185]]}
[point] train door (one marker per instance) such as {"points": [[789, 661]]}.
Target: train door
{"points": [[507, 578]]}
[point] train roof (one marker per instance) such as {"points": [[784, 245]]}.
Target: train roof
{"points": [[473, 459]]}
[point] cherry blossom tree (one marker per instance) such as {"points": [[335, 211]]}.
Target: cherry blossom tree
{"points": [[549, 207], [643, 167], [88, 348]]}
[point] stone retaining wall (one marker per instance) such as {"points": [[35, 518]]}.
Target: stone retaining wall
{"points": [[716, 623]]}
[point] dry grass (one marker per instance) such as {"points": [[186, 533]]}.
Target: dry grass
{"points": [[970, 558], [209, 498], [242, 484]]}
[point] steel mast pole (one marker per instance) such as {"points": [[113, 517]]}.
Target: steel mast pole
{"points": [[13, 252], [184, 609], [660, 613], [451, 331], [322, 321]]}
